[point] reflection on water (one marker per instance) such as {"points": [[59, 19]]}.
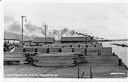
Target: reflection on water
{"points": [[122, 52]]}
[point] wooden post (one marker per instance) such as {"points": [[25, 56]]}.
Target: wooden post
{"points": [[45, 27], [120, 62], [22, 28], [78, 65], [91, 73], [22, 25]]}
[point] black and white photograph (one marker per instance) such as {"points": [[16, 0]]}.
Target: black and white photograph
{"points": [[74, 40]]}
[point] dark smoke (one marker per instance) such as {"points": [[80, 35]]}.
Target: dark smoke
{"points": [[30, 27], [15, 27]]}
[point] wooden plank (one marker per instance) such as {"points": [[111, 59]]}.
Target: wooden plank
{"points": [[19, 49], [54, 50], [56, 54], [81, 50], [106, 50], [92, 49], [92, 53], [66, 50], [30, 49], [42, 50]]}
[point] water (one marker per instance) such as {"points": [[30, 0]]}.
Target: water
{"points": [[122, 52]]}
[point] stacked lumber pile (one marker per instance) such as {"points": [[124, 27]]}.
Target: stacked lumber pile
{"points": [[67, 45], [106, 51], [45, 46], [98, 45], [90, 45], [60, 59], [42, 50], [52, 45], [30, 49], [66, 50], [54, 50], [82, 45], [18, 49], [92, 51], [60, 45], [14, 57], [103, 59], [75, 45], [80, 50]]}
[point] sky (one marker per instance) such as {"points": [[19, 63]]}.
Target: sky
{"points": [[107, 20]]}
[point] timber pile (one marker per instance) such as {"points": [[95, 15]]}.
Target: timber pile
{"points": [[103, 59], [58, 59], [30, 49], [92, 51], [54, 59], [14, 57], [54, 50], [45, 46], [82, 45], [42, 50], [80, 50], [90, 45], [67, 45], [60, 45], [66, 50], [75, 45], [106, 51], [19, 49]]}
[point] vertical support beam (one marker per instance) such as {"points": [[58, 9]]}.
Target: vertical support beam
{"points": [[78, 66], [45, 28], [91, 73], [120, 62], [22, 27]]}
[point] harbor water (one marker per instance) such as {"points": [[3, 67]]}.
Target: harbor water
{"points": [[122, 52]]}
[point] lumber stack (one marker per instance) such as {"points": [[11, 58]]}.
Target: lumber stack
{"points": [[92, 53], [90, 45], [60, 59], [44, 46], [18, 49], [92, 49], [59, 45], [30, 49], [98, 46], [66, 50], [82, 45], [54, 50], [67, 45], [106, 51], [52, 45], [14, 57], [103, 59], [75, 45], [80, 50], [42, 50]]}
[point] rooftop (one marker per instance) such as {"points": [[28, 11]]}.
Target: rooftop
{"points": [[42, 40], [76, 39]]}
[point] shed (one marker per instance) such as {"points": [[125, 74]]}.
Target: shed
{"points": [[44, 40], [76, 39]]}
